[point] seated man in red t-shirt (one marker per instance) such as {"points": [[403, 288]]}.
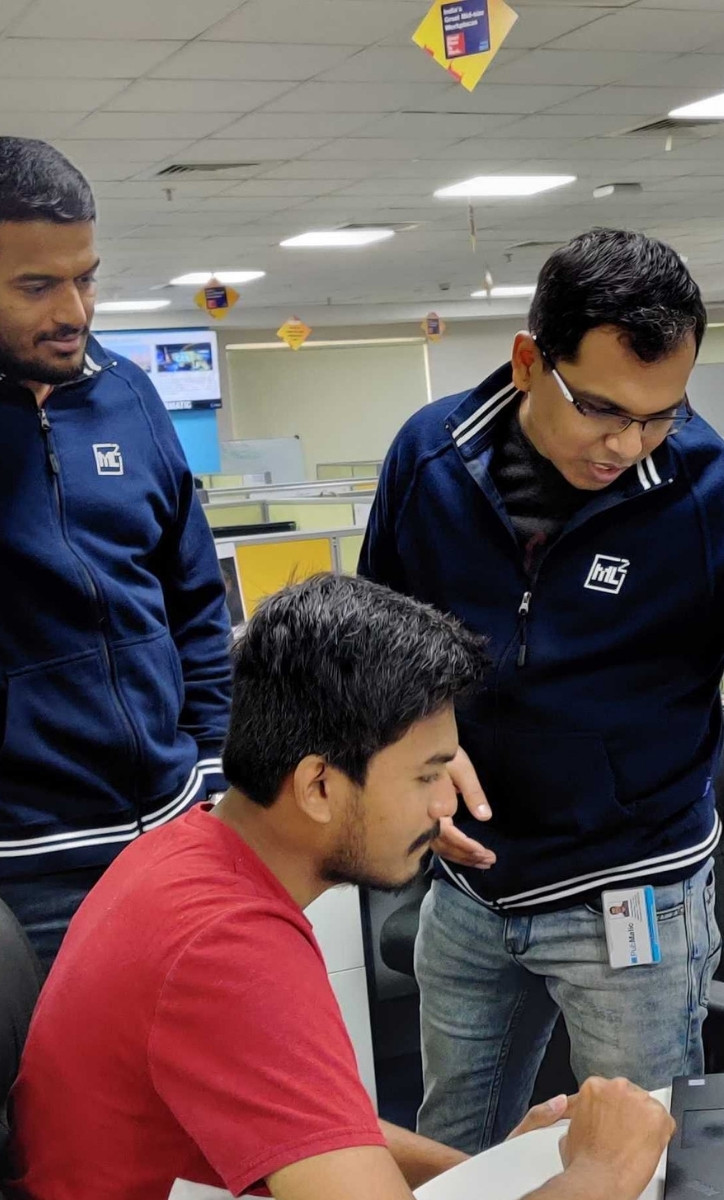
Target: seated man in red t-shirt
{"points": [[188, 1031]]}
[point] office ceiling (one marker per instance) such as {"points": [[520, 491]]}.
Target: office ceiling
{"points": [[341, 120]]}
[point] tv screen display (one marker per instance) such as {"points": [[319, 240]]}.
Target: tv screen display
{"points": [[182, 364]]}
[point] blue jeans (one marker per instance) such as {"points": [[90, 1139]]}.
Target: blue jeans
{"points": [[491, 989], [45, 905]]}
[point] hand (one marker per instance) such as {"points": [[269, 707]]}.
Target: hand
{"points": [[617, 1136], [452, 843], [544, 1115]]}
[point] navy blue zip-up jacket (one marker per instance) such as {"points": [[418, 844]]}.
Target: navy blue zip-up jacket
{"points": [[596, 735], [114, 635]]}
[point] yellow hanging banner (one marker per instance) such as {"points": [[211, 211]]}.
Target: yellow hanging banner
{"points": [[433, 327], [294, 333], [216, 299], [465, 36]]}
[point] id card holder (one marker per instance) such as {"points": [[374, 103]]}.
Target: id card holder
{"points": [[632, 929]]}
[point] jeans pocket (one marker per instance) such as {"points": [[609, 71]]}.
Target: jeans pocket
{"points": [[714, 941]]}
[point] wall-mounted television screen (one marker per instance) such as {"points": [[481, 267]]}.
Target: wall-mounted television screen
{"points": [[182, 364]]}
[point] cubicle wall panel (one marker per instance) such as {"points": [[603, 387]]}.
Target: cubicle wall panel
{"points": [[266, 567]]}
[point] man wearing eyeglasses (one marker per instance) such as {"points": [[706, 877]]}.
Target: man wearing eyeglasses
{"points": [[572, 508]]}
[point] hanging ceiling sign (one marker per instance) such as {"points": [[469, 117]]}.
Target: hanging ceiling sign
{"points": [[294, 333], [464, 36], [216, 299], [433, 327]]}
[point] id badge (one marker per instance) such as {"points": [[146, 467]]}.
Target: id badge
{"points": [[632, 928]]}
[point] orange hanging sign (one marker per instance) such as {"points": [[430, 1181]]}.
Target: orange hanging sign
{"points": [[433, 327], [216, 299], [294, 333]]}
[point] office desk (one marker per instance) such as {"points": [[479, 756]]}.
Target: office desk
{"points": [[512, 1169]]}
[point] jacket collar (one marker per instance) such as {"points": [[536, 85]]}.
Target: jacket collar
{"points": [[472, 423]]}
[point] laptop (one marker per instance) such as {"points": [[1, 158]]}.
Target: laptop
{"points": [[695, 1168]]}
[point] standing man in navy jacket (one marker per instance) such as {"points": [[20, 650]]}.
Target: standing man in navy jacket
{"points": [[114, 665], [572, 508]]}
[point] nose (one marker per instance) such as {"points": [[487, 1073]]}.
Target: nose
{"points": [[70, 309], [443, 802], [629, 444]]}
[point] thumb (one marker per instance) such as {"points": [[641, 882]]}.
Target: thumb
{"points": [[543, 1116]]}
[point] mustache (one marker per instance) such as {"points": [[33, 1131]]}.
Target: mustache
{"points": [[63, 331], [425, 838]]}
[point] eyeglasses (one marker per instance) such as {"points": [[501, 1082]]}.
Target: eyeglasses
{"points": [[609, 422]]}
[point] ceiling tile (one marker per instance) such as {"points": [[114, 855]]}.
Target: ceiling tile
{"points": [[450, 126], [250, 150], [151, 125], [697, 5], [130, 190], [586, 67], [628, 101], [642, 29], [380, 148], [504, 98], [550, 125], [72, 95], [543, 23], [9, 10], [380, 64], [110, 150], [290, 125], [234, 60], [37, 58], [288, 187], [47, 125], [695, 70], [133, 19], [199, 95], [320, 22], [303, 168], [357, 97]]}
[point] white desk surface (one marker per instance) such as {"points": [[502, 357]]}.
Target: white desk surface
{"points": [[515, 1168]]}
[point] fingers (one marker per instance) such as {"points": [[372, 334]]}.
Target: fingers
{"points": [[454, 845], [543, 1116], [464, 777]]}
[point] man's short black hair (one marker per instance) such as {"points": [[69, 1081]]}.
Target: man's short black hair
{"points": [[38, 183], [340, 667], [616, 277]]}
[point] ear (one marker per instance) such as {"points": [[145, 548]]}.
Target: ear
{"points": [[314, 789], [525, 357]]}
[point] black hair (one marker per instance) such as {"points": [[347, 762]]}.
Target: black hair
{"points": [[620, 278], [340, 667], [38, 183]]}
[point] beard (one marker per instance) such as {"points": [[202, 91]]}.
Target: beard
{"points": [[36, 369], [348, 863]]}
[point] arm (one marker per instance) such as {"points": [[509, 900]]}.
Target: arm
{"points": [[380, 559], [615, 1140]]}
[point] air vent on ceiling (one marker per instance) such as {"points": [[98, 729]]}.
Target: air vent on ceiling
{"points": [[203, 168], [669, 125], [397, 227]]}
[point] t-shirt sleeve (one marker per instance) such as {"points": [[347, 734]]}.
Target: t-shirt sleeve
{"points": [[249, 1051]]}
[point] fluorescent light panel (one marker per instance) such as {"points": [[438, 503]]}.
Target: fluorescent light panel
{"points": [[495, 186], [712, 107], [120, 306], [201, 278], [338, 238], [506, 292]]}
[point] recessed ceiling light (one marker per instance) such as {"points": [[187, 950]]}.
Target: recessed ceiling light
{"points": [[339, 238], [200, 278], [119, 306], [506, 292], [712, 107], [504, 185]]}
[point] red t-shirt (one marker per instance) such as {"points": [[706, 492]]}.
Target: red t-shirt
{"points": [[186, 1032]]}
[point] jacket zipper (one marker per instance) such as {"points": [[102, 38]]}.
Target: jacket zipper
{"points": [[54, 465], [523, 612]]}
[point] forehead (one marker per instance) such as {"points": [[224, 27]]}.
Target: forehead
{"points": [[46, 248], [606, 367], [434, 735]]}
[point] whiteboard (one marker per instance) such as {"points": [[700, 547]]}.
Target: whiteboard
{"points": [[282, 458]]}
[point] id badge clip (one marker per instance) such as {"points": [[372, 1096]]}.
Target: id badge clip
{"points": [[632, 929]]}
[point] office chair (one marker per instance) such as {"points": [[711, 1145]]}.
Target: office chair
{"points": [[21, 978]]}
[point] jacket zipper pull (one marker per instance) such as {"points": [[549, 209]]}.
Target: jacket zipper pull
{"points": [[45, 426], [523, 614]]}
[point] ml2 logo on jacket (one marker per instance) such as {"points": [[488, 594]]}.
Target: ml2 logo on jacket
{"points": [[109, 460], [607, 574]]}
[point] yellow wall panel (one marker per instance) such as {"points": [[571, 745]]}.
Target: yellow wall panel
{"points": [[349, 551], [265, 568]]}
